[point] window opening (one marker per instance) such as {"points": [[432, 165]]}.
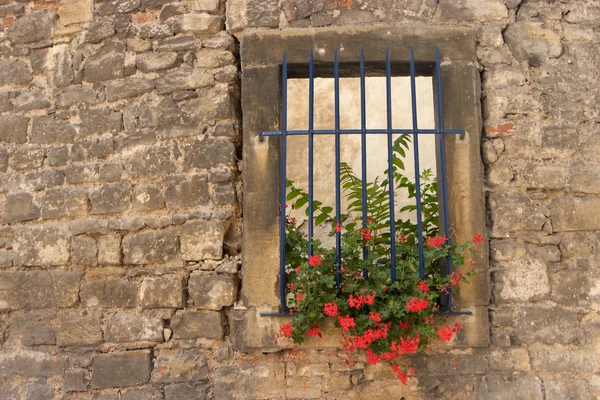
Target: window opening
{"points": [[415, 131]]}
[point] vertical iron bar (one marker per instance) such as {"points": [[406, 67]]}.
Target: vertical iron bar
{"points": [[311, 103], [388, 89], [338, 200], [363, 134], [413, 92], [282, 185], [442, 178]]}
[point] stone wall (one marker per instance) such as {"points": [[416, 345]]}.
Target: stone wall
{"points": [[120, 186]]}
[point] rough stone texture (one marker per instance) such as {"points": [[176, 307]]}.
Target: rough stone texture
{"points": [[180, 367], [150, 247], [162, 292], [198, 324], [131, 368], [120, 182], [212, 292]]}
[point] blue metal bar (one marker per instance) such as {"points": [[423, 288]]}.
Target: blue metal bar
{"points": [[282, 184], [369, 131], [338, 190], [442, 178], [311, 105], [413, 95], [390, 143], [363, 141]]}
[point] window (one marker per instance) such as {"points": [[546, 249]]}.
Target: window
{"points": [[261, 55]]}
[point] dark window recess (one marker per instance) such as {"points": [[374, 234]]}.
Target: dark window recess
{"points": [[373, 69]]}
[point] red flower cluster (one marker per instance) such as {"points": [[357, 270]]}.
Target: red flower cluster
{"points": [[445, 332], [423, 287], [366, 234], [299, 296], [363, 342], [315, 261], [403, 377], [330, 309], [314, 331], [478, 238], [360, 300], [436, 241], [338, 227], [416, 304], [285, 330], [456, 278], [375, 317], [346, 322]]}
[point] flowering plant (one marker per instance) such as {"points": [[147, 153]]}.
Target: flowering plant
{"points": [[381, 317]]}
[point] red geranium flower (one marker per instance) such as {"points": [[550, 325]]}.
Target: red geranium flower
{"points": [[315, 261], [478, 239], [366, 234], [423, 287], [330, 309], [415, 304]]}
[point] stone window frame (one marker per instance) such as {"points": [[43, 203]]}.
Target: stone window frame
{"points": [[261, 56]]}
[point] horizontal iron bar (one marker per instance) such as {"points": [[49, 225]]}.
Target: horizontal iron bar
{"points": [[456, 313], [460, 132]]}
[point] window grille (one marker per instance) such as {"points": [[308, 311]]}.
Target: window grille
{"points": [[440, 131]]}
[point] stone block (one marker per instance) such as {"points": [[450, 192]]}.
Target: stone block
{"points": [[186, 191], [521, 280], [515, 211], [37, 391], [507, 250], [558, 358], [13, 128], [510, 360], [92, 149], [143, 393], [15, 73], [584, 14], [31, 364], [38, 289], [212, 292], [74, 11], [29, 100], [99, 121], [76, 95], [184, 391], [57, 156], [510, 387], [33, 328], [47, 130], [211, 104], [532, 42], [153, 161], [76, 174], [5, 104], [111, 198], [208, 154], [546, 325], [156, 61], [179, 43], [109, 249], [189, 325], [213, 58], [118, 7], [201, 25], [183, 79], [267, 378], [60, 65], [552, 177], [28, 157], [180, 367], [64, 202], [127, 88], [162, 292], [76, 380], [303, 388], [575, 214], [131, 368], [148, 197], [32, 27], [584, 177], [571, 287], [79, 329], [333, 383], [566, 389], [19, 207], [107, 64], [252, 13], [108, 292], [85, 251], [151, 247], [111, 172], [41, 245], [127, 328], [98, 31], [473, 10]]}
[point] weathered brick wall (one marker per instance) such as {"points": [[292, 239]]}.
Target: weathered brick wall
{"points": [[119, 131]]}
